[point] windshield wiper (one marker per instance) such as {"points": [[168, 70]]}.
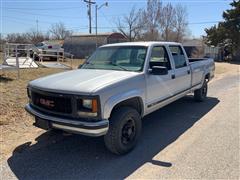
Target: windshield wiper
{"points": [[86, 63], [123, 68]]}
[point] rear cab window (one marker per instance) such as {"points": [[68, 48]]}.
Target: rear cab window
{"points": [[178, 56]]}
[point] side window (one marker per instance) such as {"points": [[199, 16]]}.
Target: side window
{"points": [[178, 56], [159, 57]]}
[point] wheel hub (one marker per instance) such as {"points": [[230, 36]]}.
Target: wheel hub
{"points": [[128, 132]]}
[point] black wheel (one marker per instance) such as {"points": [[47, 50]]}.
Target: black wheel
{"points": [[201, 94], [124, 130]]}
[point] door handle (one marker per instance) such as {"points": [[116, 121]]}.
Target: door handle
{"points": [[173, 76], [188, 71]]}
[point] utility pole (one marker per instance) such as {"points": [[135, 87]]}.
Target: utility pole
{"points": [[89, 4], [96, 17], [37, 26]]}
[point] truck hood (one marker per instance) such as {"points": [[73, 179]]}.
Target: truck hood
{"points": [[81, 81]]}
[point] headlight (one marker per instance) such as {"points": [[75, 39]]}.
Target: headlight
{"points": [[87, 103], [87, 107]]}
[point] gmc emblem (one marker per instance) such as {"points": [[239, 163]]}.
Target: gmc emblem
{"points": [[46, 102]]}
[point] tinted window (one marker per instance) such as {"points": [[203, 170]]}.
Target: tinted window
{"points": [[178, 56], [159, 57]]}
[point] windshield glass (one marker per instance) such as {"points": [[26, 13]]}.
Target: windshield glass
{"points": [[125, 58]]}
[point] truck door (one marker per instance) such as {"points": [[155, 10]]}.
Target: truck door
{"points": [[159, 87], [182, 79]]}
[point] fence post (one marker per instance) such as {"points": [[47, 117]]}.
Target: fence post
{"points": [[5, 54], [28, 52], [8, 51], [17, 60], [57, 56], [71, 61]]}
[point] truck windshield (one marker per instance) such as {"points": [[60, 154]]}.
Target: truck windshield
{"points": [[123, 58]]}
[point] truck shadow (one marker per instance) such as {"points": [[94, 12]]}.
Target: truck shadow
{"points": [[74, 157]]}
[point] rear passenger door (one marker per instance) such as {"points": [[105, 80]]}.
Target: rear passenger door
{"points": [[182, 74]]}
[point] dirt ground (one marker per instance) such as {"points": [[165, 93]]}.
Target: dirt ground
{"points": [[16, 125]]}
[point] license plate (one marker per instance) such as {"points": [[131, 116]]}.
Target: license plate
{"points": [[41, 123]]}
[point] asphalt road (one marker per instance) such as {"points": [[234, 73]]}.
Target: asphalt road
{"points": [[182, 140]]}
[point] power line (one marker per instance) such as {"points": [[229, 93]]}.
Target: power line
{"points": [[41, 9], [24, 20], [47, 15], [68, 17]]}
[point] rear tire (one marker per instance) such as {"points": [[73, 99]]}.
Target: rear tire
{"points": [[201, 94], [124, 130]]}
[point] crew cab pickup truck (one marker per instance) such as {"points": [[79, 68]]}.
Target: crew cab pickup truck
{"points": [[115, 88]]}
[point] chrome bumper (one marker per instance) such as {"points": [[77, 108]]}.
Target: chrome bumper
{"points": [[79, 127]]}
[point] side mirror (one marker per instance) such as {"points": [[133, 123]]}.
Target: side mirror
{"points": [[159, 70]]}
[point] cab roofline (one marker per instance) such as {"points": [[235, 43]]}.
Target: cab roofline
{"points": [[147, 43]]}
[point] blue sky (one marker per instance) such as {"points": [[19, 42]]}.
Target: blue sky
{"points": [[21, 15]]}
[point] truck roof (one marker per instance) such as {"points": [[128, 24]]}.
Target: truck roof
{"points": [[143, 43]]}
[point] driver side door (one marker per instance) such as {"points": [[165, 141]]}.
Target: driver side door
{"points": [[159, 87]]}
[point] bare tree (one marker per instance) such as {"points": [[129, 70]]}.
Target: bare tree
{"points": [[17, 38], [34, 36], [167, 22], [59, 31], [129, 25], [181, 22], [150, 19], [156, 22]]}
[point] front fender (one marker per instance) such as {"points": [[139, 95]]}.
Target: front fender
{"points": [[115, 99]]}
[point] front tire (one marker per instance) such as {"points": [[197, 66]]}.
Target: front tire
{"points": [[201, 94], [124, 130]]}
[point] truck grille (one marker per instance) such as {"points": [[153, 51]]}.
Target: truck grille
{"points": [[52, 102]]}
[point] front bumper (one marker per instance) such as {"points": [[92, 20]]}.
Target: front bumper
{"points": [[98, 128]]}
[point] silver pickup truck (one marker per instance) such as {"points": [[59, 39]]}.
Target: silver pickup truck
{"points": [[115, 88]]}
